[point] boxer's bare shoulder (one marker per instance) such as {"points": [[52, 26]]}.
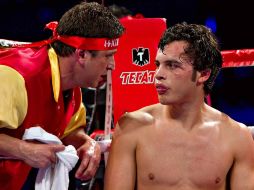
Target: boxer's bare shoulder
{"points": [[234, 132], [143, 117]]}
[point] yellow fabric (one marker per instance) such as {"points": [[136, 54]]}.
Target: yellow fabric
{"points": [[13, 98], [55, 73], [77, 120]]}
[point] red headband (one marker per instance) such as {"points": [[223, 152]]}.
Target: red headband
{"points": [[76, 41]]}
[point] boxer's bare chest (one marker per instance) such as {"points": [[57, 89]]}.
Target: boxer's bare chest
{"points": [[173, 158]]}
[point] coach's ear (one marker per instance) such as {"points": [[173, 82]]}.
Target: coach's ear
{"points": [[81, 56], [204, 75]]}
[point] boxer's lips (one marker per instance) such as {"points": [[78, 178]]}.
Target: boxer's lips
{"points": [[161, 89]]}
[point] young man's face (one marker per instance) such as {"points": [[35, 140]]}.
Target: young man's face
{"points": [[175, 79], [96, 67]]}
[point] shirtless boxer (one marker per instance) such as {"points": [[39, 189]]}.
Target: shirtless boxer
{"points": [[182, 143]]}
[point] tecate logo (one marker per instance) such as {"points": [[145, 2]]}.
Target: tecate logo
{"points": [[138, 77]]}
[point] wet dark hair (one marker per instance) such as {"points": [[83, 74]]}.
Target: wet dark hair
{"points": [[203, 48], [87, 20]]}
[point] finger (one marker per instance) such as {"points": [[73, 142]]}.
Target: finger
{"points": [[90, 171], [92, 167], [53, 158], [83, 165], [57, 148], [54, 150]]}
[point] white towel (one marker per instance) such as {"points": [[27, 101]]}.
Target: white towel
{"points": [[53, 177]]}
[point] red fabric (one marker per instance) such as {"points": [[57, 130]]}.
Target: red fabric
{"points": [[99, 134], [74, 41], [33, 64], [133, 86], [236, 58], [13, 174], [77, 42]]}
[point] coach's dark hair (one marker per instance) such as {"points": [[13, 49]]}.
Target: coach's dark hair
{"points": [[202, 48], [86, 20]]}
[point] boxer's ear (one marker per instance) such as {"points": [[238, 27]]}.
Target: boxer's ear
{"points": [[204, 75]]}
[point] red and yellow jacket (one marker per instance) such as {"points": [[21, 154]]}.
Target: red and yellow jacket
{"points": [[30, 95]]}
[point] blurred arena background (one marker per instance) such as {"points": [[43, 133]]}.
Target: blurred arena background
{"points": [[231, 21]]}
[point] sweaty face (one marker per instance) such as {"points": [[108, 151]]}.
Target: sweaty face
{"points": [[174, 78], [96, 67]]}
